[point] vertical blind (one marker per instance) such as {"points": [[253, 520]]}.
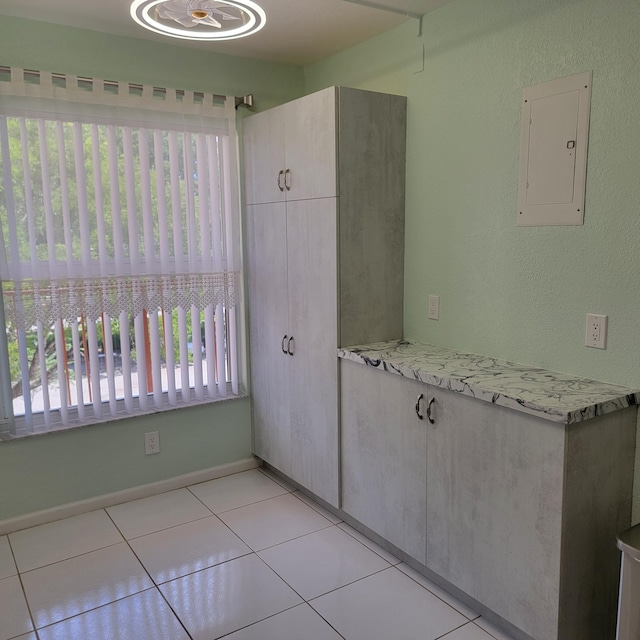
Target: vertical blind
{"points": [[119, 249]]}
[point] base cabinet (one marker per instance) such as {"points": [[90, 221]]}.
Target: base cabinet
{"points": [[383, 456], [517, 512]]}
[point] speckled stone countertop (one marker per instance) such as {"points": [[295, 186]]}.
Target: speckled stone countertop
{"points": [[548, 394]]}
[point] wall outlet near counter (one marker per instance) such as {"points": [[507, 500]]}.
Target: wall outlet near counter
{"points": [[434, 307], [596, 336]]}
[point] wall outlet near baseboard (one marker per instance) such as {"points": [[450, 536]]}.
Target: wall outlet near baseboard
{"points": [[151, 443], [596, 335]]}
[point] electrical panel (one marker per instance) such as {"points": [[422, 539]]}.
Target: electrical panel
{"points": [[553, 151]]}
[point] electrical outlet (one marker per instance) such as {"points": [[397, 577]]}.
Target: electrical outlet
{"points": [[434, 307], [596, 336], [151, 443]]}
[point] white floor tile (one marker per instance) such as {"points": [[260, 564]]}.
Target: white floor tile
{"points": [[492, 629], [299, 623], [470, 631], [14, 615], [387, 605], [383, 553], [441, 593], [276, 478], [322, 561], [7, 565], [236, 491], [176, 552], [217, 601], [144, 616], [270, 522], [314, 505], [148, 515], [56, 541], [73, 586], [28, 636]]}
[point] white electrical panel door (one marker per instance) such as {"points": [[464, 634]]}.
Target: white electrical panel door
{"points": [[553, 153]]}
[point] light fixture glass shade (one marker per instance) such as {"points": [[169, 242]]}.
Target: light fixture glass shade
{"points": [[199, 19]]}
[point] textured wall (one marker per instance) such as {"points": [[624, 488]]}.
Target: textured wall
{"points": [[516, 293]]}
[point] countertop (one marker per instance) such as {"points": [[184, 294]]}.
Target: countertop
{"points": [[555, 396]]}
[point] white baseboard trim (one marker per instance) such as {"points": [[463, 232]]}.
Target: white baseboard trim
{"points": [[126, 495]]}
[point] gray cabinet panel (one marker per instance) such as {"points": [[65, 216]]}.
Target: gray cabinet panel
{"points": [[494, 508], [264, 159], [372, 185], [311, 228], [383, 455], [310, 148], [267, 266]]}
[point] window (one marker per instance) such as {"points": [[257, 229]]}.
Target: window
{"points": [[119, 249]]}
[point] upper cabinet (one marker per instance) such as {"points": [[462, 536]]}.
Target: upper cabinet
{"points": [[293, 151]]}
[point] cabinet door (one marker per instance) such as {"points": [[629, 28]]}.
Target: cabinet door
{"points": [[268, 322], [264, 158], [311, 248], [384, 447], [310, 134], [494, 500]]}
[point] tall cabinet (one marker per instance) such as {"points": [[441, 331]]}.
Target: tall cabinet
{"points": [[325, 237]]}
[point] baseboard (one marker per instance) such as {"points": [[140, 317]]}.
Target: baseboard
{"points": [[126, 495]]}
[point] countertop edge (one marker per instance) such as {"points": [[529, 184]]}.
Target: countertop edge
{"points": [[567, 416]]}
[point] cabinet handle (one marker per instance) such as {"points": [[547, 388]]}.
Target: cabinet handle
{"points": [[280, 176], [429, 417], [287, 182], [289, 350], [284, 349], [418, 407]]}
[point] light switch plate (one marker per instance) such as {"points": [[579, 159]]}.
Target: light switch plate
{"points": [[434, 307]]}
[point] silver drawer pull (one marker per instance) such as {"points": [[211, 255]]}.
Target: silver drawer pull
{"points": [[291, 350], [284, 349], [418, 406], [280, 176], [429, 417]]}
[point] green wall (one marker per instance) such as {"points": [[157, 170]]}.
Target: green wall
{"points": [[520, 294], [46, 471]]}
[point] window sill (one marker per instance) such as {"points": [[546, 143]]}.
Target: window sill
{"points": [[40, 429]]}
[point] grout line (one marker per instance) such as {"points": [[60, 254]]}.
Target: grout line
{"points": [[444, 635], [242, 506], [315, 506], [100, 606], [24, 593], [435, 594], [372, 542], [375, 573], [156, 586], [79, 555]]}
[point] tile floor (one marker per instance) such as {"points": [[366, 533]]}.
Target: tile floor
{"points": [[243, 557]]}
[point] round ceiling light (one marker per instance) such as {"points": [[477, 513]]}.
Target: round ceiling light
{"points": [[199, 19]]}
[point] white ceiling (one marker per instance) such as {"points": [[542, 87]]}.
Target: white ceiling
{"points": [[297, 32]]}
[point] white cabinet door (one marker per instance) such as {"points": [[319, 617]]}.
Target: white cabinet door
{"points": [[311, 249], [384, 447], [264, 156], [494, 508], [267, 272], [310, 134]]}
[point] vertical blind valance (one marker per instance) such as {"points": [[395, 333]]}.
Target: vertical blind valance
{"points": [[119, 201]]}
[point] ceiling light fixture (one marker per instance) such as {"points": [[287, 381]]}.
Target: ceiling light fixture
{"points": [[202, 20]]}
